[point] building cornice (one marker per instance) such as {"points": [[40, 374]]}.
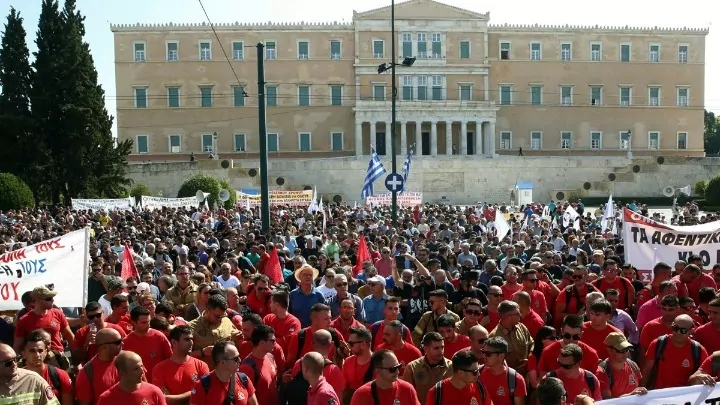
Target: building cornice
{"points": [[236, 26], [600, 29]]}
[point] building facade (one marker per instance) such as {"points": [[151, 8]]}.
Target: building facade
{"points": [[474, 88]]}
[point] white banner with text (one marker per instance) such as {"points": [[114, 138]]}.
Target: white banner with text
{"points": [[103, 203], [692, 395], [154, 203], [404, 199]]}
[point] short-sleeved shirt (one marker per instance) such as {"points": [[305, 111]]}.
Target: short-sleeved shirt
{"points": [[579, 386], [548, 359], [28, 387], [322, 394], [178, 378], [264, 376], [423, 377], [402, 392], [596, 338], [206, 334], [152, 347], [624, 381], [105, 375], [52, 322], [452, 395], [405, 354], [82, 334], [498, 388], [292, 352], [676, 365], [283, 327], [218, 390], [147, 394], [354, 373], [63, 376]]}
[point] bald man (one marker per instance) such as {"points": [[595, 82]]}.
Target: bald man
{"points": [[20, 386], [99, 374], [131, 389], [322, 344], [321, 392]]}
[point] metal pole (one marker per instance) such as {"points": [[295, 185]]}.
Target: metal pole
{"points": [[393, 113], [262, 130]]}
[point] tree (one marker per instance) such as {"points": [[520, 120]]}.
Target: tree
{"points": [[14, 193], [15, 82], [209, 185], [712, 192], [139, 190], [712, 134]]}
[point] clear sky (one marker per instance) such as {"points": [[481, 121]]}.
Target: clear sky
{"points": [[101, 13]]}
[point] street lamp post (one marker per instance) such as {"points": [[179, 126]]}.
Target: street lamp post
{"points": [[629, 144]]}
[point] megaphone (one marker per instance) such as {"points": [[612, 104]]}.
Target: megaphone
{"points": [[668, 191], [201, 196], [224, 195]]}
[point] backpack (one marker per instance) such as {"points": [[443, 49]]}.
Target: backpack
{"points": [[695, 350], [335, 338], [376, 328], [438, 392], [295, 391], [55, 378], [512, 379], [230, 397], [589, 379], [605, 365], [571, 291], [89, 373], [627, 290], [251, 362]]}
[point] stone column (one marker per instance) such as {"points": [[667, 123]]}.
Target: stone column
{"points": [[418, 138], [479, 138], [433, 138], [358, 139], [463, 138], [403, 138], [491, 136], [448, 138], [373, 133], [388, 138]]}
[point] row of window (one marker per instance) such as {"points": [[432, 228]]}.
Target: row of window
{"points": [[596, 140], [596, 51], [421, 45], [209, 142], [595, 96]]}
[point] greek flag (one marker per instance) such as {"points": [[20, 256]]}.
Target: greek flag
{"points": [[375, 171], [406, 166]]}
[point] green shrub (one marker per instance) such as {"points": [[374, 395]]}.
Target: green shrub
{"points": [[14, 193], [207, 184], [700, 187], [139, 190], [712, 192]]}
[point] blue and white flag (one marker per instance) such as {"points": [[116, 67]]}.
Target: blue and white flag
{"points": [[375, 171], [406, 166]]}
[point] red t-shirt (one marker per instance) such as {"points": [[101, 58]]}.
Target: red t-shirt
{"points": [[178, 378], [497, 386], [354, 373], [624, 381], [549, 358], [218, 391], [706, 366], [123, 322], [82, 334], [255, 304], [708, 336], [460, 342], [677, 365], [578, 385], [53, 322], [264, 380], [533, 322], [153, 348], [337, 324], [508, 291], [402, 392], [405, 354], [692, 289], [653, 330], [621, 284], [452, 395], [105, 375], [537, 302], [246, 348], [596, 338], [147, 394], [284, 328], [332, 373], [573, 306], [292, 351], [493, 319], [378, 336], [65, 382]]}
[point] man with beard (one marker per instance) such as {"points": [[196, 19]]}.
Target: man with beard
{"points": [[176, 375], [468, 290]]}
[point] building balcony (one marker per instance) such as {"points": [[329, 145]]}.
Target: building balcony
{"points": [[424, 105]]}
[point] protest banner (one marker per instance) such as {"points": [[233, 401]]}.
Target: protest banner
{"points": [[405, 199], [153, 203], [691, 395], [277, 197], [62, 261], [648, 242], [103, 204]]}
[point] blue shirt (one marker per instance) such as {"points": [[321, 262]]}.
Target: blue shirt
{"points": [[334, 304], [374, 309], [300, 304]]}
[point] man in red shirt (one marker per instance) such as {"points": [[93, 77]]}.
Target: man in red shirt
{"points": [[283, 323], [661, 272], [150, 344], [261, 366], [496, 375], [528, 316], [34, 352], [670, 308], [454, 342], [258, 295], [571, 300], [708, 335], [391, 312], [388, 388], [463, 387], [83, 347], [319, 319], [131, 389], [320, 392], [576, 380], [249, 323], [177, 375], [393, 340], [618, 375], [44, 316], [611, 280], [99, 374], [119, 315], [321, 343], [571, 333], [693, 279], [597, 328], [346, 320], [213, 388], [355, 368], [537, 299]]}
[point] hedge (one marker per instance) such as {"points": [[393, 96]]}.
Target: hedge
{"points": [[700, 188], [14, 193], [650, 201], [139, 190], [207, 184]]}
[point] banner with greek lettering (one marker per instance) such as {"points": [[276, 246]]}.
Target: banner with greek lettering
{"points": [[648, 242], [62, 261], [103, 204], [277, 197], [153, 203], [692, 395], [406, 199]]}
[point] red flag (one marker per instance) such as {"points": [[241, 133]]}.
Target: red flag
{"points": [[363, 255], [273, 269], [128, 264]]}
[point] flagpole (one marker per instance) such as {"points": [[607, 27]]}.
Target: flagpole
{"points": [[393, 113]]}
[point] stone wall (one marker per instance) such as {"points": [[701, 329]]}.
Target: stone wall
{"points": [[458, 179]]}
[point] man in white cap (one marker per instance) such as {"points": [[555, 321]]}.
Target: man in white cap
{"points": [[374, 304], [305, 295]]}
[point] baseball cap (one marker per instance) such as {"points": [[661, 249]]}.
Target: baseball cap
{"points": [[143, 287], [377, 279], [43, 292], [617, 341]]}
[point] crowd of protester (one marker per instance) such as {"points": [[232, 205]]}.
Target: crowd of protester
{"points": [[342, 307]]}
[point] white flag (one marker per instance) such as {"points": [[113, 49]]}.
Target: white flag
{"points": [[608, 218], [686, 190], [569, 216], [501, 225]]}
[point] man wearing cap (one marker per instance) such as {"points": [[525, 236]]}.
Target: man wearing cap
{"points": [[115, 287], [305, 295], [618, 375], [45, 316], [374, 304]]}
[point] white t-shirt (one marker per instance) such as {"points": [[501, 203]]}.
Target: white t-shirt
{"points": [[106, 307], [230, 282], [326, 291]]}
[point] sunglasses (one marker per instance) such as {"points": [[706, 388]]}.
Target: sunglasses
{"points": [[394, 369], [532, 280], [683, 331], [94, 316], [495, 295], [577, 277], [114, 342], [338, 285], [354, 342], [473, 312], [567, 366], [625, 350], [552, 338], [488, 353], [569, 336], [9, 362], [236, 359], [474, 372]]}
